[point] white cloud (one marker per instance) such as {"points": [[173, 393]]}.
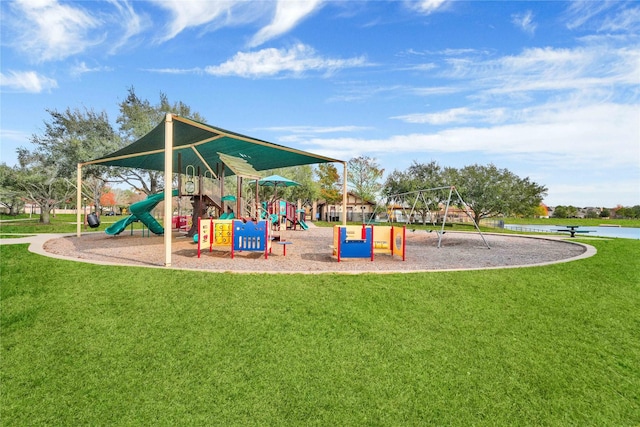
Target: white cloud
{"points": [[288, 14], [579, 70], [27, 81], [211, 15], [435, 90], [131, 22], [47, 30], [585, 137], [524, 21], [82, 68], [456, 115], [316, 129], [427, 6], [351, 91], [188, 14], [625, 21], [271, 62], [422, 67], [300, 134], [176, 71], [579, 13]]}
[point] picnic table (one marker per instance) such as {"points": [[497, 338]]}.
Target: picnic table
{"points": [[572, 230]]}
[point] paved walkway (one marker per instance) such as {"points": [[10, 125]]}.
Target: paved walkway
{"points": [[36, 242]]}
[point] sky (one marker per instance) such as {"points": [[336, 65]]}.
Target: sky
{"points": [[549, 90]]}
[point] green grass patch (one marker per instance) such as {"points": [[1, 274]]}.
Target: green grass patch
{"points": [[61, 223], [584, 222], [88, 344]]}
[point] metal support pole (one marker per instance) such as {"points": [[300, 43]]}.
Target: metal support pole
{"points": [[78, 200], [472, 218], [168, 191], [444, 219], [344, 195]]}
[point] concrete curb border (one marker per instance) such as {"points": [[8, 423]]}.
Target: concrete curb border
{"points": [[37, 241]]}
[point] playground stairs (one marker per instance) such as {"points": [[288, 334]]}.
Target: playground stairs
{"points": [[208, 201]]}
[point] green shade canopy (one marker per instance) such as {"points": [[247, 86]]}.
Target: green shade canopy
{"points": [[202, 145]]}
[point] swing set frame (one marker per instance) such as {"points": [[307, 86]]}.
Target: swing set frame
{"points": [[401, 199]]}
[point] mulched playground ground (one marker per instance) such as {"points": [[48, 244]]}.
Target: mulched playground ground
{"points": [[310, 252]]}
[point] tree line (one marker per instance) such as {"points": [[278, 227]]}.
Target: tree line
{"points": [[46, 172], [486, 190]]}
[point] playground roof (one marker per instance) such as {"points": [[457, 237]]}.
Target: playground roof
{"points": [[202, 145]]}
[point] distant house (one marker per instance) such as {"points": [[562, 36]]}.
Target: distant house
{"points": [[586, 212], [357, 209]]}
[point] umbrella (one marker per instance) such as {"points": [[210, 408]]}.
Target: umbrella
{"points": [[276, 181]]}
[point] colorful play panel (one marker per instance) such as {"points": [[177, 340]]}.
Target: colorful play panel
{"points": [[353, 241], [234, 235]]}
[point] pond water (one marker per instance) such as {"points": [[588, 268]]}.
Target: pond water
{"points": [[624, 232]]}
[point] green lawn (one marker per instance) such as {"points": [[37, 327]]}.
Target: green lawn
{"points": [[61, 223], [585, 222], [97, 345]]}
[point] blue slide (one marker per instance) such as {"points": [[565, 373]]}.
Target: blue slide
{"points": [[140, 212], [303, 224]]}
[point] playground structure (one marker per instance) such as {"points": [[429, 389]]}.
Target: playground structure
{"points": [[281, 213], [176, 141], [234, 235], [412, 201], [204, 193], [207, 197], [353, 241], [140, 211]]}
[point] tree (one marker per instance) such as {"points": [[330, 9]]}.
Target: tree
{"points": [[137, 118], [592, 213], [108, 198], [10, 195], [363, 174], [329, 181], [487, 190], [627, 212], [429, 176], [47, 172], [560, 212], [420, 176], [541, 211], [565, 212], [75, 136], [308, 190], [42, 185], [490, 191]]}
